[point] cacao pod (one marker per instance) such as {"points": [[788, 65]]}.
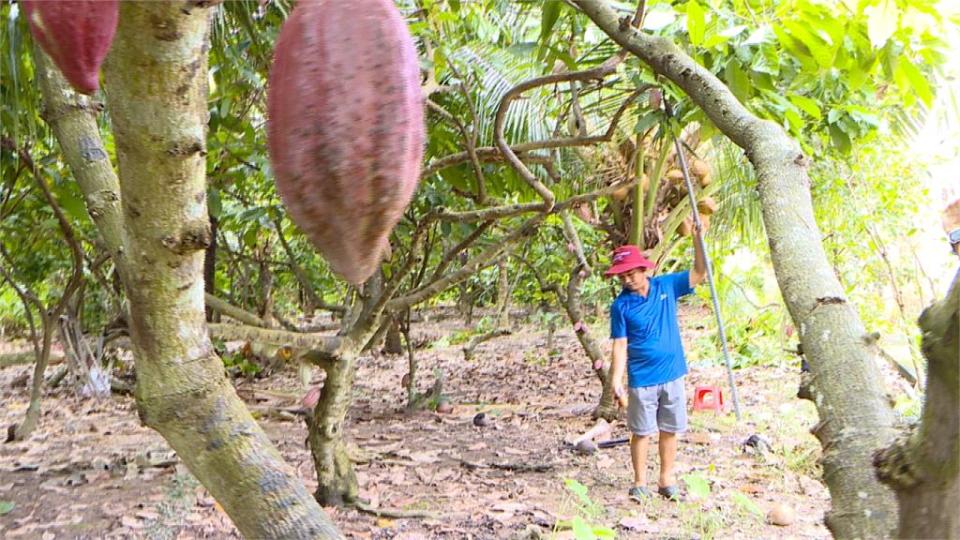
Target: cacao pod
{"points": [[675, 176], [705, 180], [622, 193], [707, 206], [686, 227], [345, 127], [699, 168], [704, 222], [76, 34], [644, 183]]}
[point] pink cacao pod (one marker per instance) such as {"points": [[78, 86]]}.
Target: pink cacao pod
{"points": [[345, 127], [76, 34]]}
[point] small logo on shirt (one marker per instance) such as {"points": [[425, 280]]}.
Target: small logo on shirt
{"points": [[663, 296]]}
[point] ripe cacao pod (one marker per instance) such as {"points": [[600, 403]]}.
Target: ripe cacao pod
{"points": [[686, 227], [705, 180], [345, 127], [76, 34], [622, 193], [707, 206], [675, 176], [699, 168]]}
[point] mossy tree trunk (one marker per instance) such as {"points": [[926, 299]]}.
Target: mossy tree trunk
{"points": [[154, 223], [855, 418], [923, 466]]}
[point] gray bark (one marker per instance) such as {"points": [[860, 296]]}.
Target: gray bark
{"points": [[855, 418], [923, 465], [156, 88]]}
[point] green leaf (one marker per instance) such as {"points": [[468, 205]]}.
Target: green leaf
{"points": [[697, 485], [6, 507], [840, 139], [551, 12], [578, 489], [696, 22], [581, 529], [807, 105], [647, 121], [916, 83], [746, 503], [70, 202], [214, 204], [882, 22], [738, 80]]}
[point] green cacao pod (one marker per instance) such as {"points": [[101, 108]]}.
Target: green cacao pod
{"points": [[345, 127], [76, 34]]}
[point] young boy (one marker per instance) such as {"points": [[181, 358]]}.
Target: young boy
{"points": [[646, 344]]}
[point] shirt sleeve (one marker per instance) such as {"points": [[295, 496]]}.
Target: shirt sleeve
{"points": [[680, 283], [618, 323]]}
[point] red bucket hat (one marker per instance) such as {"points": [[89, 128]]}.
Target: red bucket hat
{"points": [[626, 258]]}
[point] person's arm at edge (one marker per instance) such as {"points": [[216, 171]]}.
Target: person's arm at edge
{"points": [[699, 272], [618, 368]]}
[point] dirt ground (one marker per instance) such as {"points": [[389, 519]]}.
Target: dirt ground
{"points": [[91, 471]]}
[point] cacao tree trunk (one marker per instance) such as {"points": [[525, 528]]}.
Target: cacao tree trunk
{"points": [[923, 465], [503, 296], [337, 482], [32, 416], [156, 87], [606, 408], [855, 417]]}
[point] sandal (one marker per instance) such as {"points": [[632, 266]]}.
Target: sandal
{"points": [[639, 493], [669, 492]]}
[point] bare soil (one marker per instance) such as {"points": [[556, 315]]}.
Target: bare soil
{"points": [[91, 471]]}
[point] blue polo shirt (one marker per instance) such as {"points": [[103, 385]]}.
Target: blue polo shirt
{"points": [[654, 350]]}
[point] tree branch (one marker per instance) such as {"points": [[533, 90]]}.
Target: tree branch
{"points": [[233, 332]]}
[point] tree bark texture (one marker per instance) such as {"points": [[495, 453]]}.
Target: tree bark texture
{"points": [[337, 482], [606, 409], [855, 419], [923, 465], [156, 87]]}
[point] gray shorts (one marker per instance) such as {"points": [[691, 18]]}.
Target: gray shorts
{"points": [[661, 406]]}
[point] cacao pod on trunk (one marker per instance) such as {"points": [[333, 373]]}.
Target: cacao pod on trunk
{"points": [[76, 34], [345, 127]]}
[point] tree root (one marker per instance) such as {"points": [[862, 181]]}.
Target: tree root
{"points": [[392, 512]]}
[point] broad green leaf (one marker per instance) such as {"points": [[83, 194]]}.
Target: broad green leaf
{"points": [[647, 121], [882, 22], [604, 532], [794, 119], [550, 14], [578, 489], [70, 202], [807, 105], [738, 80], [916, 83], [6, 507], [696, 22], [746, 503], [697, 485], [840, 139], [819, 49], [581, 529]]}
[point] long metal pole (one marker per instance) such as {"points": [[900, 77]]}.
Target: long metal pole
{"points": [[713, 290]]}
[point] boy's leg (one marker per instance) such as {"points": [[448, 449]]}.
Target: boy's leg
{"points": [[668, 454], [642, 422], [672, 419], [638, 456]]}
